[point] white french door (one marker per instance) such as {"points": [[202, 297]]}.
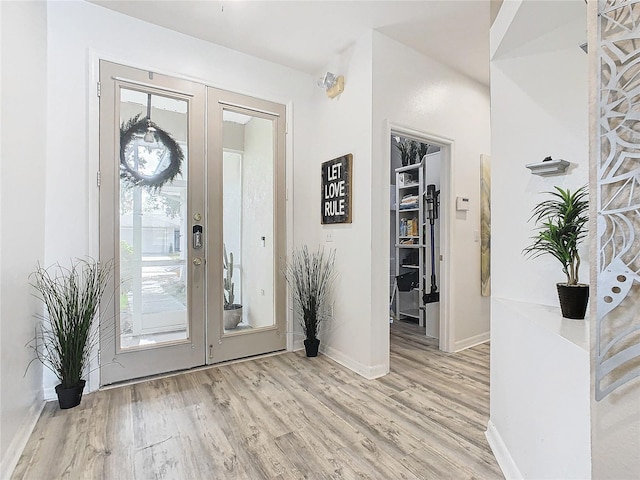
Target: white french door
{"points": [[247, 198], [173, 193]]}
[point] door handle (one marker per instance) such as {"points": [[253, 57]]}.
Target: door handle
{"points": [[197, 261], [197, 237]]}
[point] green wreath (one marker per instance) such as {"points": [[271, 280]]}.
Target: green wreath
{"points": [[140, 126]]}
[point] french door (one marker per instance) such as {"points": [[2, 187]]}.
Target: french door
{"points": [[247, 199], [192, 211]]}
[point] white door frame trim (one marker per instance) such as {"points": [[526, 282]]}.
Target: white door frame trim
{"points": [[447, 204]]}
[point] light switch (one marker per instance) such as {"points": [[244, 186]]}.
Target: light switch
{"points": [[462, 203]]}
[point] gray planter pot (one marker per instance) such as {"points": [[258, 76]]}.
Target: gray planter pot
{"points": [[232, 316]]}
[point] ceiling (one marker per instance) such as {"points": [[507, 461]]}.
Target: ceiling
{"points": [[306, 35]]}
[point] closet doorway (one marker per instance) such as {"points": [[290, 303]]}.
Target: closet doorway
{"points": [[419, 178]]}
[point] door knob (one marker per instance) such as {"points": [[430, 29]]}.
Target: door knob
{"points": [[197, 261]]}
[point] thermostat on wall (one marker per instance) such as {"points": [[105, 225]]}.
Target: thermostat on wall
{"points": [[462, 203]]}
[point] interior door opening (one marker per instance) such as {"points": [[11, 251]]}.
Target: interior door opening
{"points": [[418, 186]]}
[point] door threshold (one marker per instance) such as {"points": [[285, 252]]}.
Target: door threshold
{"points": [[174, 373]]}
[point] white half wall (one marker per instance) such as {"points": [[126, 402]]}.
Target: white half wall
{"points": [[22, 201], [540, 391]]}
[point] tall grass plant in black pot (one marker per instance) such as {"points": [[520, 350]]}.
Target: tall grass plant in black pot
{"points": [[561, 226], [310, 276], [69, 332]]}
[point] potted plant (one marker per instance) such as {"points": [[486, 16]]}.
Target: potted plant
{"points": [[404, 146], [562, 226], [232, 315], [411, 151], [310, 276], [68, 334]]}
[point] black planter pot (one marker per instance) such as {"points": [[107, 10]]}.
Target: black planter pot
{"points": [[311, 346], [573, 300], [70, 397]]}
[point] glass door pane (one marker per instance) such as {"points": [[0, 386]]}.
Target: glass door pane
{"points": [[248, 222], [153, 220], [152, 200]]}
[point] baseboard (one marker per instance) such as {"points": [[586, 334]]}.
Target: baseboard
{"points": [[298, 344], [368, 372], [503, 457], [471, 341], [49, 394], [20, 439]]}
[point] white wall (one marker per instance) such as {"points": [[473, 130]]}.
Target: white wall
{"points": [[231, 218], [257, 222], [429, 97], [539, 108], [417, 92], [80, 32], [342, 126], [22, 200], [535, 114]]}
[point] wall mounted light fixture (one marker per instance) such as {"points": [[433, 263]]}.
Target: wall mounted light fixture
{"points": [[334, 84]]}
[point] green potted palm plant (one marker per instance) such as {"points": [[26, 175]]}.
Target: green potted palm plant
{"points": [[232, 314], [68, 334], [561, 227], [310, 277]]}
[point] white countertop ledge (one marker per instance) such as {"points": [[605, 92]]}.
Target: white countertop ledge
{"points": [[551, 319]]}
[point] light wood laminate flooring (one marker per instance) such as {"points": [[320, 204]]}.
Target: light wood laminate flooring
{"points": [[281, 417]]}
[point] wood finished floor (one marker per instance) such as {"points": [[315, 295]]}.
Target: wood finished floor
{"points": [[280, 417]]}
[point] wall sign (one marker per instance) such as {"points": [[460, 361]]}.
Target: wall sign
{"points": [[336, 190]]}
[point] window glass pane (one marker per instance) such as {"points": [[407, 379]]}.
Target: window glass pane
{"points": [[248, 222], [153, 207]]}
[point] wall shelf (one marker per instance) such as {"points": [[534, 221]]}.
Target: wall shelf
{"points": [[549, 167]]}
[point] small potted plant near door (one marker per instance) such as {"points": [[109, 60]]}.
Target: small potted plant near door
{"points": [[232, 315], [561, 227], [68, 334], [310, 276]]}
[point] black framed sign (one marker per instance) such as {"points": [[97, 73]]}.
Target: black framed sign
{"points": [[336, 190]]}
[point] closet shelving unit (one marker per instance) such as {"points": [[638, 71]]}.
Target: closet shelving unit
{"points": [[410, 240]]}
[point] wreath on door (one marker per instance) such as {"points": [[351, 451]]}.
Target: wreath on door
{"points": [[137, 126]]}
